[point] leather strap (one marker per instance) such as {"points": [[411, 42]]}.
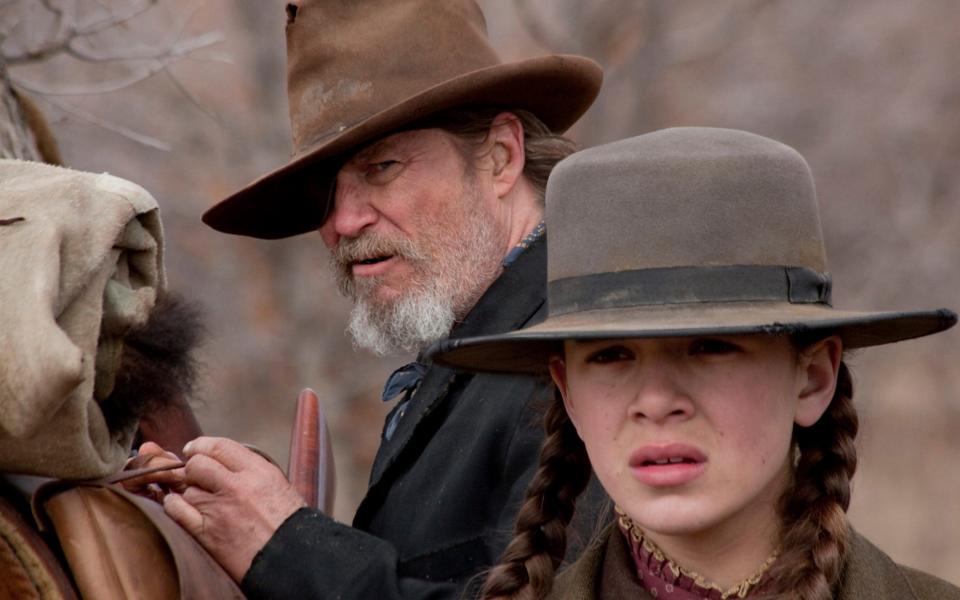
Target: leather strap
{"points": [[121, 476], [682, 285]]}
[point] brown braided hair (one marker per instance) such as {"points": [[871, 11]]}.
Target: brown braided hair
{"points": [[813, 509], [528, 564]]}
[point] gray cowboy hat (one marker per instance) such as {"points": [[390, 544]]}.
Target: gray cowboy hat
{"points": [[683, 232], [359, 70]]}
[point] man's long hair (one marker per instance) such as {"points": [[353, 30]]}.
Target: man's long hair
{"points": [[543, 149]]}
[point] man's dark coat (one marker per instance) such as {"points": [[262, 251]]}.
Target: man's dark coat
{"points": [[444, 490]]}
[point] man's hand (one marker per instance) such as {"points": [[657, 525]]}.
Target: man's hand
{"points": [[157, 484], [233, 503]]}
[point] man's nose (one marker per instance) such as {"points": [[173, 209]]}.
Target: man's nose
{"points": [[351, 213], [660, 394]]}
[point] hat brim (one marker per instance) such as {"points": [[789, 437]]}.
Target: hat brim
{"points": [[529, 350], [292, 200]]}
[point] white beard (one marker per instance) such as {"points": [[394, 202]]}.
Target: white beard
{"points": [[411, 323], [454, 268]]}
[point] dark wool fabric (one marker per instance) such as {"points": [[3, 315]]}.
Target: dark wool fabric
{"points": [[445, 488], [606, 572]]}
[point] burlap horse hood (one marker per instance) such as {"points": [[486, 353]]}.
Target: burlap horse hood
{"points": [[80, 265], [684, 232], [359, 70]]}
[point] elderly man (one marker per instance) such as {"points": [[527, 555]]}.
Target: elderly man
{"points": [[422, 160]]}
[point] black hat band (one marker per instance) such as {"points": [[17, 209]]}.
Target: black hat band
{"points": [[683, 285]]}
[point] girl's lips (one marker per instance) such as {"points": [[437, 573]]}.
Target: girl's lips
{"points": [[360, 269], [667, 465]]}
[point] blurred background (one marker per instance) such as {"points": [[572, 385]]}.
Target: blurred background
{"points": [[187, 98]]}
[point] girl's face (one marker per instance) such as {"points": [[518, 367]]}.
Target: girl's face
{"points": [[689, 435]]}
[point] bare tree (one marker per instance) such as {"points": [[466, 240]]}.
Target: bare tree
{"points": [[82, 32], [637, 42]]}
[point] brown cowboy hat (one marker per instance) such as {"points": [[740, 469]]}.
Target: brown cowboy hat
{"points": [[683, 232], [362, 69]]}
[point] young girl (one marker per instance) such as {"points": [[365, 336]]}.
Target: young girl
{"points": [[699, 372]]}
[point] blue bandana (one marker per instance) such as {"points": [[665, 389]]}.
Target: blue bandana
{"points": [[525, 243]]}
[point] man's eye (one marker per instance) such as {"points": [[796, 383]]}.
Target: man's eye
{"points": [[609, 355], [382, 171], [380, 167], [712, 346]]}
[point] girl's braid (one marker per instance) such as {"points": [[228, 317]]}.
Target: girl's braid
{"points": [[528, 564], [813, 510]]}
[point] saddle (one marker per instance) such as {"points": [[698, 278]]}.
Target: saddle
{"points": [[93, 539], [29, 569]]}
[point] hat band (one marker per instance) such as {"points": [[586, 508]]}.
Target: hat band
{"points": [[681, 285]]}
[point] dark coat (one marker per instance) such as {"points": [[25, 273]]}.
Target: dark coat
{"points": [[606, 572], [444, 490]]}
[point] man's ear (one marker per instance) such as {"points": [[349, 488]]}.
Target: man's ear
{"points": [[558, 371], [818, 365], [506, 152]]}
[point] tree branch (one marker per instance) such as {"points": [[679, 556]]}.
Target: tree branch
{"points": [[114, 19], [156, 66], [126, 132], [60, 13], [75, 38], [191, 97], [143, 52], [69, 31], [7, 27]]}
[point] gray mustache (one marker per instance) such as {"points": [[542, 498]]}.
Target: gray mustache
{"points": [[371, 245]]}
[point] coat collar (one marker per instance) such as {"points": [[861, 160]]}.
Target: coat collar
{"points": [[605, 568], [870, 573], [510, 302]]}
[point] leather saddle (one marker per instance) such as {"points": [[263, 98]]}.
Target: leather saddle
{"points": [[93, 539]]}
